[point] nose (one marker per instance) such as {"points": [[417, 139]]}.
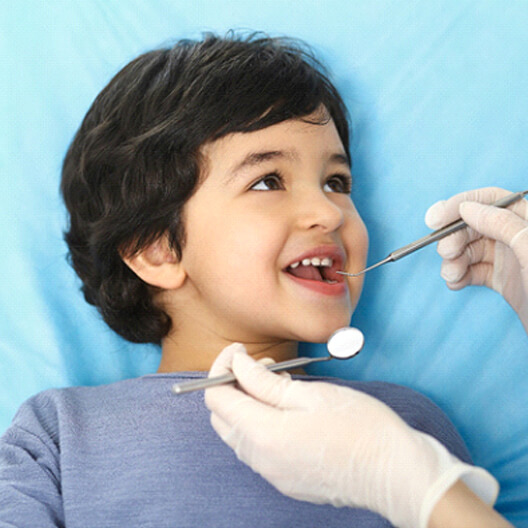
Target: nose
{"points": [[316, 210]]}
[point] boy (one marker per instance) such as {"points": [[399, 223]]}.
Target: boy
{"points": [[208, 189]]}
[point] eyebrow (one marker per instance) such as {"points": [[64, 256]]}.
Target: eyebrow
{"points": [[257, 158]]}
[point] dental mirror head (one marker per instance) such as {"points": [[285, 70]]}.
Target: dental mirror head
{"points": [[345, 343]]}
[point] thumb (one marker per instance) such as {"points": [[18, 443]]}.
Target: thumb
{"points": [[222, 363], [260, 383], [499, 224], [436, 216]]}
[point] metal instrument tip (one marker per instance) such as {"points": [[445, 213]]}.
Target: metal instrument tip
{"points": [[380, 263], [351, 274]]}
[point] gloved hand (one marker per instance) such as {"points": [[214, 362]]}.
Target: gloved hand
{"points": [[324, 443], [493, 252]]}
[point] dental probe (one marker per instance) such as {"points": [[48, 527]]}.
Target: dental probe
{"points": [[344, 343], [449, 229]]}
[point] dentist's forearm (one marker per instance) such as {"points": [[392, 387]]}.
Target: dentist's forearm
{"points": [[461, 508]]}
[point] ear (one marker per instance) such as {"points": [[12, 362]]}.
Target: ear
{"points": [[157, 265]]}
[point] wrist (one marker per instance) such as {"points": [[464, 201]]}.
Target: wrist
{"points": [[459, 507], [475, 480], [434, 471]]}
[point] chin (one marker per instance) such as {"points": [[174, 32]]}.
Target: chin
{"points": [[321, 332]]}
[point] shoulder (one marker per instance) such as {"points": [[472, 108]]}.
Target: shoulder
{"points": [[44, 414], [417, 410]]}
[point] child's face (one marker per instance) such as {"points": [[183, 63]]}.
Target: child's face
{"points": [[269, 199]]}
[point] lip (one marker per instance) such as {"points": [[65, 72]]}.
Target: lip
{"points": [[338, 257]]}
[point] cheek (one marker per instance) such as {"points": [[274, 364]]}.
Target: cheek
{"points": [[250, 244], [235, 248], [356, 245], [356, 239], [363, 240]]}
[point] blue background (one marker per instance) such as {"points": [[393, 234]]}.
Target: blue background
{"points": [[437, 92]]}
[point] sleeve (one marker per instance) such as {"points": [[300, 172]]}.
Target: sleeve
{"points": [[30, 489]]}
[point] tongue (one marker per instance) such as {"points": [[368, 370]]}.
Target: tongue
{"points": [[306, 272]]}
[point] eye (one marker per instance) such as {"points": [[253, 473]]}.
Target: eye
{"points": [[339, 183], [270, 182]]}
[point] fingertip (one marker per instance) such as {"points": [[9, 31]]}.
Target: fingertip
{"points": [[266, 361], [455, 286], [463, 207], [434, 217], [474, 274], [258, 381], [451, 272], [223, 361], [236, 348], [245, 362], [451, 246]]}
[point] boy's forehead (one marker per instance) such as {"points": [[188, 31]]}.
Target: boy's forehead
{"points": [[261, 156], [283, 141]]}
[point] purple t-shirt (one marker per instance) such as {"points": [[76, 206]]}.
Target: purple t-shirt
{"points": [[133, 454]]}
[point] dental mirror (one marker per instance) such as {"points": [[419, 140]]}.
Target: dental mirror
{"points": [[344, 343]]}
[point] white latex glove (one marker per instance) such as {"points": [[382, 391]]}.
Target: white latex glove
{"points": [[494, 252], [324, 443]]}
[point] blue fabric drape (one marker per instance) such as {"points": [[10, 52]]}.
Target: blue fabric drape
{"points": [[437, 96]]}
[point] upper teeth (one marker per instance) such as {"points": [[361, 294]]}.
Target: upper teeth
{"points": [[315, 261]]}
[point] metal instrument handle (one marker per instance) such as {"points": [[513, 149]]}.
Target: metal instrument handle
{"points": [[189, 386]]}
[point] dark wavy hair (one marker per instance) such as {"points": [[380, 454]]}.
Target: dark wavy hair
{"points": [[135, 160]]}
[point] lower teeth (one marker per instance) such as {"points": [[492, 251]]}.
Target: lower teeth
{"points": [[330, 282]]}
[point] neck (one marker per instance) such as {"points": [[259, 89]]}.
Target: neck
{"points": [[197, 349]]}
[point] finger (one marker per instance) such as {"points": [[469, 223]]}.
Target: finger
{"points": [[265, 385], [233, 405], [454, 245], [227, 400], [446, 211], [482, 250], [477, 275], [222, 363], [220, 397], [499, 224], [228, 394], [267, 361]]}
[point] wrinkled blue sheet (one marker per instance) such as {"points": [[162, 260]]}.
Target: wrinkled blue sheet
{"points": [[437, 93]]}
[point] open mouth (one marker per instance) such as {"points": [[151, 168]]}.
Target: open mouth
{"points": [[316, 269]]}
